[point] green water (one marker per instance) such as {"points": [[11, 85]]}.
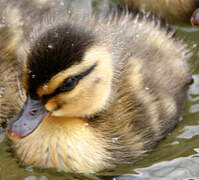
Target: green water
{"points": [[176, 157]]}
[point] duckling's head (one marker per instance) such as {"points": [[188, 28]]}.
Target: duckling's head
{"points": [[65, 74]]}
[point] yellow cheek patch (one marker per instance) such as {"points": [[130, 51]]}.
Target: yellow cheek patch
{"points": [[51, 105]]}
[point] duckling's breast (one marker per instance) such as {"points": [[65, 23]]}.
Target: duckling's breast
{"points": [[68, 144]]}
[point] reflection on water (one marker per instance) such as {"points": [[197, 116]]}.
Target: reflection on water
{"points": [[189, 132], [179, 168], [176, 157]]}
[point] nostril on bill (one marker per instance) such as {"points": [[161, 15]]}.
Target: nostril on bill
{"points": [[33, 112]]}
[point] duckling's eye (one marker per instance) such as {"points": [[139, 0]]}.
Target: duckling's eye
{"points": [[68, 84]]}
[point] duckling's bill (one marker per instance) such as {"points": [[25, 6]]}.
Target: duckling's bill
{"points": [[28, 120]]}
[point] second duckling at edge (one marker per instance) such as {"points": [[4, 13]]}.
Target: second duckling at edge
{"points": [[101, 91]]}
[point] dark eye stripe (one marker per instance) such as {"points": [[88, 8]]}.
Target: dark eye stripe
{"points": [[45, 98], [85, 73]]}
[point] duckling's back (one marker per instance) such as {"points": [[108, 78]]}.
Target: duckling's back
{"points": [[171, 10], [150, 81], [155, 67]]}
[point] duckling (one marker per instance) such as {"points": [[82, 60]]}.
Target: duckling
{"points": [[100, 91], [171, 10], [195, 18], [9, 84]]}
